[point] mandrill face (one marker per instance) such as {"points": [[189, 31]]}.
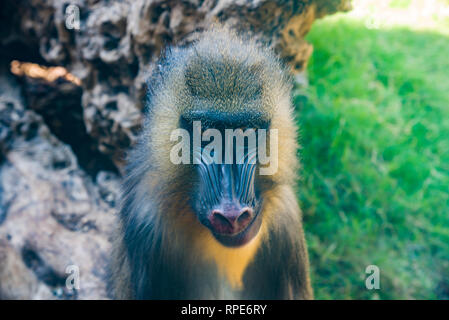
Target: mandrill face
{"points": [[226, 198]]}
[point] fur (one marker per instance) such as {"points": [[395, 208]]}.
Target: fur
{"points": [[162, 251]]}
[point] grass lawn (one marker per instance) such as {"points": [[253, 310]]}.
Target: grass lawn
{"points": [[374, 127]]}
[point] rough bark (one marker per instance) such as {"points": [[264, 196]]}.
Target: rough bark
{"points": [[62, 145]]}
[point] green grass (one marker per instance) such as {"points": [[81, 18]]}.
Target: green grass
{"points": [[375, 153]]}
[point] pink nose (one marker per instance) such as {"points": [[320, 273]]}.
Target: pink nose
{"points": [[230, 221]]}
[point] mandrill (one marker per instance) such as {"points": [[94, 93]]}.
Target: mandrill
{"points": [[198, 222]]}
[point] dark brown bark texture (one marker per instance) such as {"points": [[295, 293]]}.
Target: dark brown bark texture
{"points": [[62, 145]]}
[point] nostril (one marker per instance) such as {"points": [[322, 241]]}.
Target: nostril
{"points": [[220, 219], [245, 216]]}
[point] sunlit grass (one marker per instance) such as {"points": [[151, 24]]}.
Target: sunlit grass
{"points": [[375, 152], [429, 15]]}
